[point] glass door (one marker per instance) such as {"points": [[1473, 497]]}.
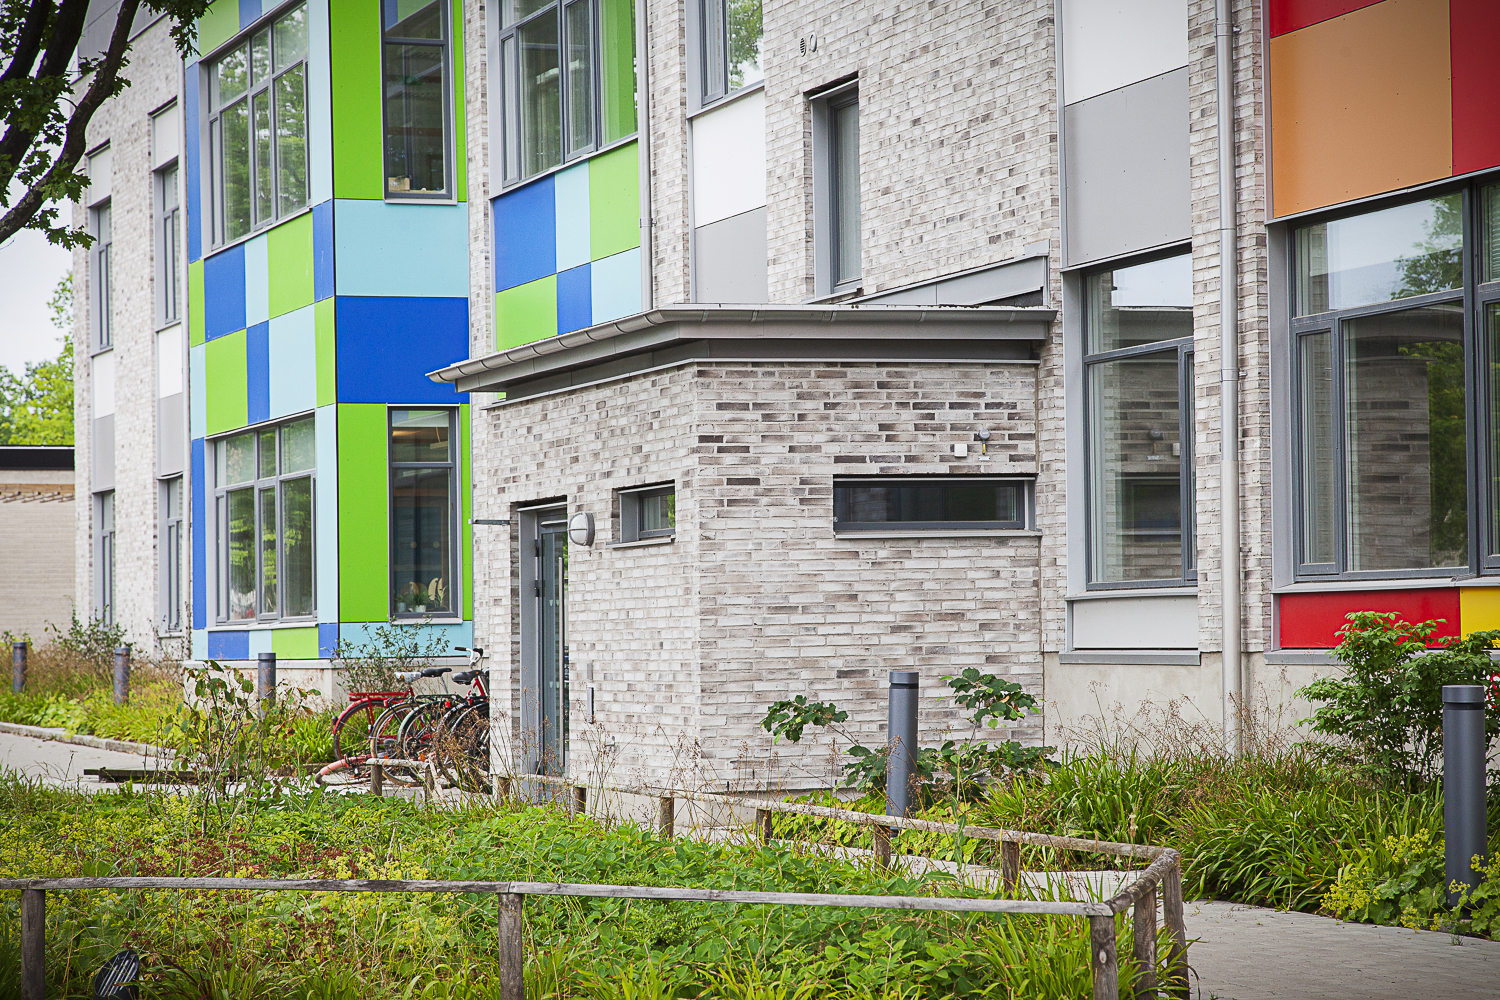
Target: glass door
{"points": [[552, 641]]}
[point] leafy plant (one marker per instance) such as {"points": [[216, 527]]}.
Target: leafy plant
{"points": [[1385, 715], [372, 665], [990, 697], [790, 718]]}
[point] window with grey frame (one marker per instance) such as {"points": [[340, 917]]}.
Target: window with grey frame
{"points": [[1396, 366], [731, 33], [168, 248], [648, 512], [101, 275], [104, 556], [415, 54], [836, 159], [264, 522], [424, 474], [931, 503], [169, 550], [567, 80], [1138, 398], [257, 128]]}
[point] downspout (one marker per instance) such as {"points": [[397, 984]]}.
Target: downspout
{"points": [[643, 153], [1229, 384]]}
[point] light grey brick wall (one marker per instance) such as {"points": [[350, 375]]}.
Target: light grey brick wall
{"points": [[124, 121]]}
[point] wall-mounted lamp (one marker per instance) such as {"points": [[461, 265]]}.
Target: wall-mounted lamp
{"points": [[984, 440], [581, 529]]}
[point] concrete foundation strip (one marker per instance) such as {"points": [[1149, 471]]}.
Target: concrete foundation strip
{"points": [[81, 739]]}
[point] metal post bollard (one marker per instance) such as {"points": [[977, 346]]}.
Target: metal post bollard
{"points": [[1464, 820], [18, 651], [122, 675], [900, 766], [265, 680]]}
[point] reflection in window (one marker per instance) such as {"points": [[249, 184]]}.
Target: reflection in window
{"points": [[423, 467], [263, 489], [1138, 327], [567, 80], [101, 285], [952, 503], [732, 32], [104, 557], [649, 512], [170, 551], [257, 124], [416, 101], [1390, 254], [1319, 452]]}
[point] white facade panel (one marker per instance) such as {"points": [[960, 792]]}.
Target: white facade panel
{"points": [[101, 168], [1136, 623], [166, 132], [168, 362], [103, 383], [729, 160], [1108, 44]]}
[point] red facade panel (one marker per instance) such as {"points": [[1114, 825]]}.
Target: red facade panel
{"points": [[1475, 27], [1311, 621], [1289, 15]]}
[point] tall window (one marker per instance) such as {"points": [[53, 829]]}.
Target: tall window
{"points": [[169, 550], [731, 46], [104, 556], [263, 502], [258, 128], [1138, 369], [423, 467], [101, 287], [836, 155], [1384, 418], [168, 274], [416, 98], [568, 80]]}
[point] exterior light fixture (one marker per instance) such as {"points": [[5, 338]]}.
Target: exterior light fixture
{"points": [[581, 529]]}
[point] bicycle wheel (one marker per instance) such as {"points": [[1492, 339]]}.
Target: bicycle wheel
{"points": [[463, 747], [385, 741], [419, 729], [351, 734]]}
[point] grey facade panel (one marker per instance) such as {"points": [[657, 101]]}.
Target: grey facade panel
{"points": [[169, 435], [1127, 184], [984, 286], [730, 259], [103, 474], [99, 25]]}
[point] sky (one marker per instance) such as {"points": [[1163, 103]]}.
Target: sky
{"points": [[29, 271]]}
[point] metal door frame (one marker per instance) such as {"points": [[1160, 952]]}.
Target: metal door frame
{"points": [[531, 608]]}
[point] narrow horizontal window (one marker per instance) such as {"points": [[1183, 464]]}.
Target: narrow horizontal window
{"points": [[650, 512], [952, 503]]}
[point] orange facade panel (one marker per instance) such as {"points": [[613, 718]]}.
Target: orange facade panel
{"points": [[1361, 104]]}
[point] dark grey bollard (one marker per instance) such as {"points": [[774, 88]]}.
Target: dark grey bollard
{"points": [[122, 675], [1464, 827], [18, 652], [265, 679], [900, 765]]}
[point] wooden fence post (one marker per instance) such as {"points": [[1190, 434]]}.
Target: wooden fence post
{"points": [[882, 845], [377, 779], [429, 782], [1010, 865], [1102, 958], [503, 785], [665, 817], [1145, 944], [1172, 914], [763, 825], [33, 944], [580, 800], [512, 947]]}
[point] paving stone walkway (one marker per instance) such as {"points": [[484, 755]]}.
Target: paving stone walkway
{"points": [[61, 764]]}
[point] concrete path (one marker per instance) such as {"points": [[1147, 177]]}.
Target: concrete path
{"points": [[61, 764], [1247, 953]]}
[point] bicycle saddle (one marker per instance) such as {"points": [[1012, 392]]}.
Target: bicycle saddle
{"points": [[407, 676], [436, 671], [465, 677]]}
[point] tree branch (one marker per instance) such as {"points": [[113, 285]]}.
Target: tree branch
{"points": [[29, 42]]}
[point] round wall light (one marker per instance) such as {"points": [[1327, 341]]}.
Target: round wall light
{"points": [[581, 529]]}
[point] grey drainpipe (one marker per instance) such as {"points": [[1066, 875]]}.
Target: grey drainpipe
{"points": [[1229, 384], [643, 152]]}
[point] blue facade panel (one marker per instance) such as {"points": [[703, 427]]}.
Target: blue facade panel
{"points": [[322, 250], [258, 372], [249, 13], [224, 292], [328, 639], [387, 345], [229, 645], [532, 210], [575, 300], [191, 160]]}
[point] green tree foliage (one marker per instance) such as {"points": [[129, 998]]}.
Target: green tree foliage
{"points": [[37, 408], [1385, 715], [48, 95]]}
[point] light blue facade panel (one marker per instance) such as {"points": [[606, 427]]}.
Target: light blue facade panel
{"points": [[260, 641], [616, 283], [401, 250], [326, 499], [197, 391], [257, 280], [570, 191], [294, 363], [200, 643], [453, 634]]}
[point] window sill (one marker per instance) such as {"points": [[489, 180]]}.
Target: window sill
{"points": [[1165, 591], [941, 533], [446, 199], [1400, 583], [94, 352], [420, 619], [848, 291], [1142, 657], [641, 543], [263, 626], [728, 99]]}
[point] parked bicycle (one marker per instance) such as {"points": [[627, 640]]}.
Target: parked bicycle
{"points": [[371, 725], [454, 732]]}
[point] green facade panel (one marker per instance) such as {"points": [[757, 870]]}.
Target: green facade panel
{"points": [[614, 202], [196, 324], [354, 50], [456, 69], [364, 529], [526, 313], [219, 24], [289, 275], [226, 377], [323, 326]]}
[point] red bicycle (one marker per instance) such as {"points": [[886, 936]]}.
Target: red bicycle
{"points": [[371, 725]]}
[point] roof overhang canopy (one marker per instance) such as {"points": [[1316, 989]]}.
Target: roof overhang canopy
{"points": [[674, 334]]}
